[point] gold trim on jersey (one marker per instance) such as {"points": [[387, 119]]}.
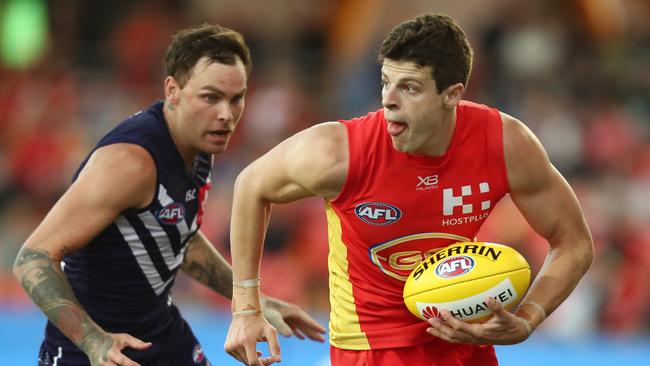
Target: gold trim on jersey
{"points": [[345, 330]]}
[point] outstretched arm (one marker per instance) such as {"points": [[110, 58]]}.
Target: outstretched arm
{"points": [[549, 205], [311, 163], [206, 265], [88, 206]]}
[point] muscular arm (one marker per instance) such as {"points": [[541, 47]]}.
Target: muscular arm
{"points": [[42, 278], [310, 163], [89, 205], [549, 205]]}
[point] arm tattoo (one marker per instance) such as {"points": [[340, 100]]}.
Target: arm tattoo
{"points": [[204, 266], [45, 283]]}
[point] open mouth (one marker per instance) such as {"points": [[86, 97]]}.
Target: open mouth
{"points": [[396, 128], [219, 133]]}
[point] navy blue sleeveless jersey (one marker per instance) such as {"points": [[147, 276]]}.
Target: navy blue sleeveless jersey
{"points": [[123, 277]]}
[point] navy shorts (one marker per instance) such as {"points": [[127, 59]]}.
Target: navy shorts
{"points": [[176, 345]]}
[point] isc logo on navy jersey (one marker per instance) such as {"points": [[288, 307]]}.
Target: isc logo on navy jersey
{"points": [[377, 213], [171, 214]]}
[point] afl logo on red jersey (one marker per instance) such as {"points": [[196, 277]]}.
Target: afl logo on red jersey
{"points": [[455, 266], [171, 214], [377, 213]]}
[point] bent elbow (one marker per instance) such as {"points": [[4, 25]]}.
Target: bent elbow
{"points": [[21, 260], [16, 268], [587, 253], [245, 182], [590, 256]]}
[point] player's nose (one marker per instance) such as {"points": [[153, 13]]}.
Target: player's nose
{"points": [[389, 99], [225, 112]]}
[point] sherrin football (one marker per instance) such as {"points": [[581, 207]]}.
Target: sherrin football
{"points": [[460, 277]]}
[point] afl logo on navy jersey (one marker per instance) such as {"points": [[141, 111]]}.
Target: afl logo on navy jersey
{"points": [[197, 354], [378, 213], [171, 214]]}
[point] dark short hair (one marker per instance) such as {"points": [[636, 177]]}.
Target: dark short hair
{"points": [[431, 40], [219, 44]]}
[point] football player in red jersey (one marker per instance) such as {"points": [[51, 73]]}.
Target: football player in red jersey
{"points": [[419, 174]]}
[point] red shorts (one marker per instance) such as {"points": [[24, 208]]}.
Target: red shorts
{"points": [[426, 354]]}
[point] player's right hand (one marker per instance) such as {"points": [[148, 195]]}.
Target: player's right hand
{"points": [[108, 351], [502, 328], [244, 333]]}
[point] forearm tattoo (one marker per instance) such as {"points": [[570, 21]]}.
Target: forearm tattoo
{"points": [[45, 283], [205, 267]]}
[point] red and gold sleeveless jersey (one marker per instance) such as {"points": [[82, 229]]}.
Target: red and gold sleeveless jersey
{"points": [[396, 208]]}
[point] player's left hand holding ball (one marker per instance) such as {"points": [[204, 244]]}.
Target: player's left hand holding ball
{"points": [[503, 327]]}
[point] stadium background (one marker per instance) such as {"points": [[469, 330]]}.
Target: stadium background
{"points": [[576, 72]]}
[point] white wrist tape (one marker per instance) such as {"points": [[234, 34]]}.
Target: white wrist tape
{"points": [[526, 323], [251, 312], [255, 282], [538, 307]]}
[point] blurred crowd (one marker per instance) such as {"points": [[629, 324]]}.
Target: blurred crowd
{"points": [[576, 72]]}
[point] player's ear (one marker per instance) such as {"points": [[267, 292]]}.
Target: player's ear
{"points": [[452, 95], [172, 89]]}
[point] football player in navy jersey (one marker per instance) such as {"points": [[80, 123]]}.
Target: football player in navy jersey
{"points": [[102, 262]]}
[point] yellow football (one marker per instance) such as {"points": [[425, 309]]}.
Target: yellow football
{"points": [[461, 276]]}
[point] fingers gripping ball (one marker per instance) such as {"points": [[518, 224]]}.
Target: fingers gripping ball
{"points": [[460, 277]]}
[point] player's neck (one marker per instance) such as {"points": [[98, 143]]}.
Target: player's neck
{"points": [[443, 134]]}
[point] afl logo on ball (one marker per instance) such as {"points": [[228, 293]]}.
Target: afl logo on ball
{"points": [[455, 266], [377, 213], [171, 214]]}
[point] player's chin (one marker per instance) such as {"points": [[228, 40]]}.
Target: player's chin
{"points": [[400, 145]]}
